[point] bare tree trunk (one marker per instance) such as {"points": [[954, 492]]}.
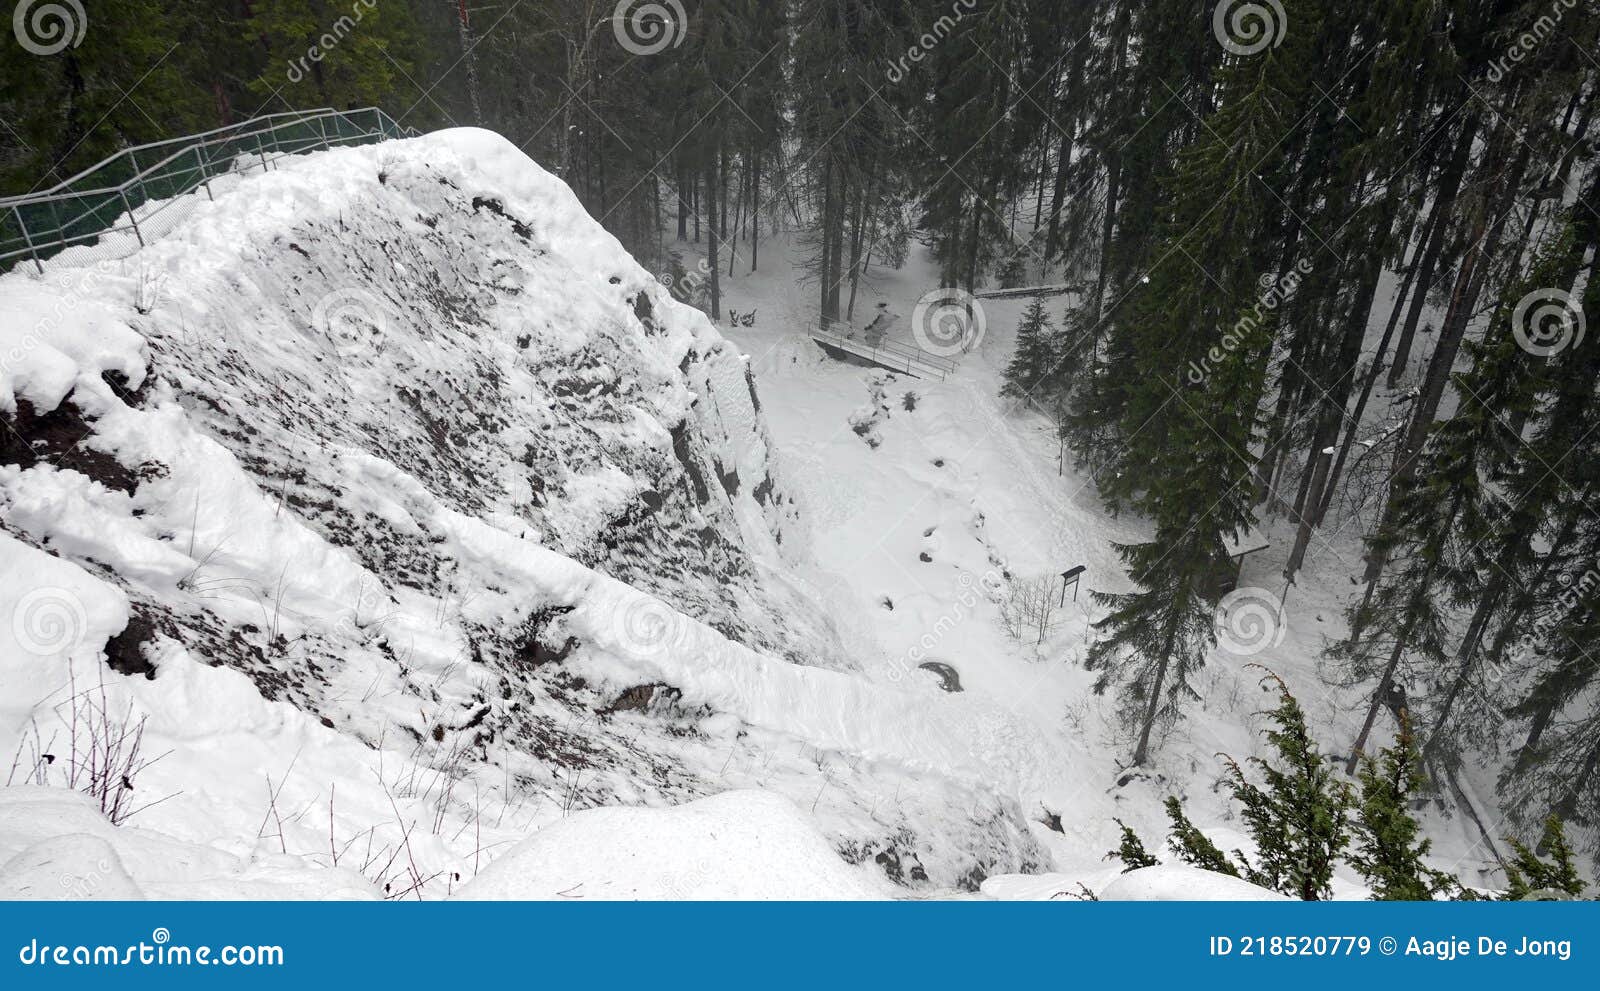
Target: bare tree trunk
{"points": [[1384, 685], [1444, 205], [755, 209], [712, 242], [1371, 378], [1142, 751], [1463, 299]]}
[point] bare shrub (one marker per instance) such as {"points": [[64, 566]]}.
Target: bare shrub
{"points": [[104, 752], [1028, 609]]}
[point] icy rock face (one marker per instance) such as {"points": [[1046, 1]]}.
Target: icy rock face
{"points": [[403, 436]]}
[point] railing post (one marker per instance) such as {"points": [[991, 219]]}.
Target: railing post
{"points": [[33, 252], [131, 218], [205, 180], [261, 150], [61, 230]]}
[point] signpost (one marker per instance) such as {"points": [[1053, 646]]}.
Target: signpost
{"points": [[1070, 578]]}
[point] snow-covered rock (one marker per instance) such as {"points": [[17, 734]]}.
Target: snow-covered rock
{"points": [[739, 845], [393, 505]]}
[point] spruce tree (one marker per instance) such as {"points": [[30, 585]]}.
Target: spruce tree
{"points": [[1299, 816], [1132, 850], [325, 54], [1034, 357], [1531, 877], [1192, 344], [1192, 846], [1388, 851]]}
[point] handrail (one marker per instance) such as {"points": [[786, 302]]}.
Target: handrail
{"points": [[896, 360], [895, 347], [43, 231], [134, 150]]}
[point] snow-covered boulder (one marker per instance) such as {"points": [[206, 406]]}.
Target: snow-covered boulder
{"points": [[392, 502]]}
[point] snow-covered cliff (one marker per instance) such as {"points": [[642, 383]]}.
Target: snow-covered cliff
{"points": [[398, 508]]}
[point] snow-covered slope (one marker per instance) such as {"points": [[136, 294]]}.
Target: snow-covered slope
{"points": [[394, 512], [736, 845]]}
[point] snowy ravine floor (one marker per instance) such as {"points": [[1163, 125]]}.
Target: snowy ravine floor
{"points": [[435, 550], [954, 489]]}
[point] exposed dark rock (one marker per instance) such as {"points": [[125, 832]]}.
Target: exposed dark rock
{"points": [[949, 680], [537, 646], [126, 652], [639, 697], [497, 208], [58, 438]]}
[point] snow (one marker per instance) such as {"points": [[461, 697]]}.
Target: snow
{"points": [[740, 845], [451, 533], [55, 844], [354, 482], [1182, 883]]}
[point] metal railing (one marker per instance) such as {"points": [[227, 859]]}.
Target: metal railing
{"points": [[125, 193], [889, 354]]}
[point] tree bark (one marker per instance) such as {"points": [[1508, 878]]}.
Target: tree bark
{"points": [[1444, 204]]}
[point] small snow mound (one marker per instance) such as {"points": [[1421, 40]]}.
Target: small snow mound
{"points": [[739, 845], [75, 867], [1182, 883]]}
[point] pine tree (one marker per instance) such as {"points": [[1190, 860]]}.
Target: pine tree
{"points": [[1034, 357], [1388, 852], [1155, 639], [1132, 850], [1530, 877], [968, 138], [1299, 819], [325, 54], [1190, 349], [1192, 846]]}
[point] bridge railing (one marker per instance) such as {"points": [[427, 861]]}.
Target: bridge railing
{"points": [[905, 352], [126, 200], [888, 354]]}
